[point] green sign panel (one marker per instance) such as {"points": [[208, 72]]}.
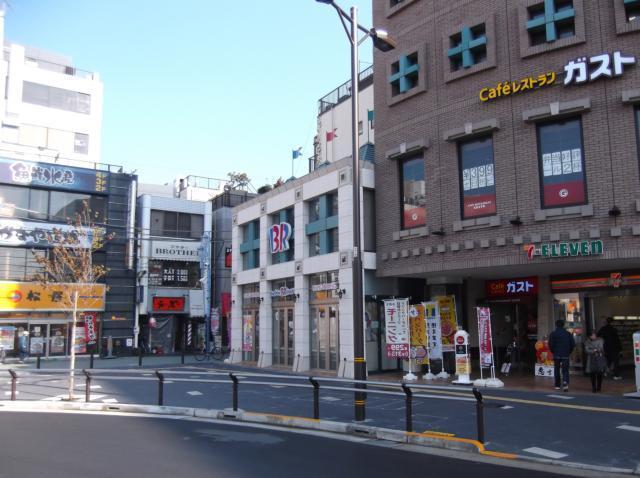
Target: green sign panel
{"points": [[565, 249]]}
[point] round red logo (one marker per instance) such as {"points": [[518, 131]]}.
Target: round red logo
{"points": [[15, 296], [460, 339]]}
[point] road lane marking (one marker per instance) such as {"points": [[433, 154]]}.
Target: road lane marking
{"points": [[332, 399], [546, 453], [95, 387], [9, 392], [629, 427], [561, 397], [109, 400], [506, 407], [194, 393]]}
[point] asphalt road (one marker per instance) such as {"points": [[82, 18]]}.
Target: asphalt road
{"points": [[97, 446], [595, 430]]}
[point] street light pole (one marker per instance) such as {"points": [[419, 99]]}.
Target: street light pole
{"points": [[382, 42]]}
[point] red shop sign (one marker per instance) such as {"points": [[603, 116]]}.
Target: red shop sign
{"points": [[526, 286], [168, 304]]}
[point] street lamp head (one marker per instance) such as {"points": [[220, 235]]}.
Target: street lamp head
{"points": [[328, 2], [381, 40]]}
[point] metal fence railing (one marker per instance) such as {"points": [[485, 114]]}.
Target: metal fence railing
{"points": [[316, 384]]}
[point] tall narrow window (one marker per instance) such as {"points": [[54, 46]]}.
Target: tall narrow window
{"points": [[413, 193], [561, 159], [250, 247], [322, 230], [632, 10], [638, 129], [477, 177]]}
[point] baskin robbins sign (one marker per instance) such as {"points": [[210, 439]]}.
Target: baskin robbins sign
{"points": [[279, 235], [564, 249]]}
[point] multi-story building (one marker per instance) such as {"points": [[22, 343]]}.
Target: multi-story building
{"points": [[173, 245], [50, 109], [507, 170], [291, 294]]}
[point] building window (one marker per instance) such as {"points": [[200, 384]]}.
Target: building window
{"points": [[393, 3], [81, 143], [19, 263], [52, 206], [413, 193], [176, 224], [551, 20], [52, 97], [281, 237], [638, 129], [369, 220], [322, 230], [561, 158], [477, 177], [250, 247], [632, 10], [359, 128], [468, 47], [404, 74]]}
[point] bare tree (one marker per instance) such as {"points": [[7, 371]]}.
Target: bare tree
{"points": [[237, 181], [69, 274]]}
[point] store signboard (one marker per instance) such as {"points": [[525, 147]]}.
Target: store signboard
{"points": [[29, 296], [434, 332], [14, 232], [176, 250], [168, 304], [247, 333], [510, 88], [397, 328], [279, 235], [418, 327], [526, 286], [90, 327], [283, 292], [448, 321], [196, 303], [27, 173], [484, 336], [564, 249]]}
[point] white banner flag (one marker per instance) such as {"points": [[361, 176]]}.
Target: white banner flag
{"points": [[434, 332]]}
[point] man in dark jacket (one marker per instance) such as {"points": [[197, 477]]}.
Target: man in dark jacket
{"points": [[612, 347], [561, 344]]}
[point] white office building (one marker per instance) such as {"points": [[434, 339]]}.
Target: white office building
{"points": [[51, 111]]}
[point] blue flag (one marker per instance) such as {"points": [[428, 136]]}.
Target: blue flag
{"points": [[296, 153]]}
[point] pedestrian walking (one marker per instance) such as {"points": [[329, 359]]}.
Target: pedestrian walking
{"points": [[612, 347], [23, 345], [596, 361], [561, 344]]}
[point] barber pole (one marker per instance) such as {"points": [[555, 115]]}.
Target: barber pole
{"points": [[189, 333]]}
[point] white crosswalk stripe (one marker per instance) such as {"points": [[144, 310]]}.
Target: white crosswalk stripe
{"points": [[629, 428], [194, 393], [544, 452], [109, 400], [561, 397]]}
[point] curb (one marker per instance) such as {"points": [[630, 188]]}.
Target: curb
{"points": [[385, 434]]}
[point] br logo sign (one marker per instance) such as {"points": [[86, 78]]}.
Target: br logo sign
{"points": [[279, 236]]}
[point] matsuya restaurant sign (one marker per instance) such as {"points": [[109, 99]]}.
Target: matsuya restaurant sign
{"points": [[576, 71], [279, 236], [26, 173], [28, 296], [526, 286], [168, 304], [565, 249]]}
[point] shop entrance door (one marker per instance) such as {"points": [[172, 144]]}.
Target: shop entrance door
{"points": [[324, 337], [251, 335], [283, 336]]}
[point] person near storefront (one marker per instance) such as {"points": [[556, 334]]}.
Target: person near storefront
{"points": [[561, 344], [596, 362], [23, 345], [612, 347]]}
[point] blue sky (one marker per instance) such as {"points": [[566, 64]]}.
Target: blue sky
{"points": [[200, 87]]}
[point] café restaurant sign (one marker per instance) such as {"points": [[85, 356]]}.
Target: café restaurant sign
{"points": [[526, 286], [577, 71], [564, 249]]}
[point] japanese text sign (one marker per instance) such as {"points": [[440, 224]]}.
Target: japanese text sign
{"points": [[434, 332], [527, 286], [397, 327], [484, 336], [28, 296], [418, 327], [582, 70], [448, 321], [168, 304]]}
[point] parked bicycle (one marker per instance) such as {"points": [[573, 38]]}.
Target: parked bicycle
{"points": [[216, 351]]}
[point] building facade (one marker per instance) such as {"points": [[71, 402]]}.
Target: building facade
{"points": [[507, 168], [50, 108], [291, 299], [172, 260]]}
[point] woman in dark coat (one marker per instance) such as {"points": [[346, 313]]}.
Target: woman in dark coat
{"points": [[596, 362]]}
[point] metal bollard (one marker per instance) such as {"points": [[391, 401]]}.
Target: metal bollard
{"points": [[479, 414], [91, 360], [409, 407], [38, 361], [235, 391], [160, 387], [316, 398], [140, 354], [87, 385], [14, 381]]}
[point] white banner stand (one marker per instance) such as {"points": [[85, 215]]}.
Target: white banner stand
{"points": [[463, 361], [410, 376], [492, 381], [636, 359]]}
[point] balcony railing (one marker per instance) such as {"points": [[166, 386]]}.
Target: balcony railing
{"points": [[343, 92]]}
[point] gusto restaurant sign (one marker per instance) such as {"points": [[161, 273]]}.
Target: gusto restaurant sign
{"points": [[508, 88], [565, 249]]}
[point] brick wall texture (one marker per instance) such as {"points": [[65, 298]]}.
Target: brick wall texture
{"points": [[609, 130]]}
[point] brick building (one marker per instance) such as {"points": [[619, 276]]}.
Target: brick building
{"points": [[507, 161]]}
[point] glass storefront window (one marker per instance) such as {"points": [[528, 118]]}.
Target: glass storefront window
{"points": [[561, 160], [477, 178], [324, 286], [413, 193], [569, 307]]}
